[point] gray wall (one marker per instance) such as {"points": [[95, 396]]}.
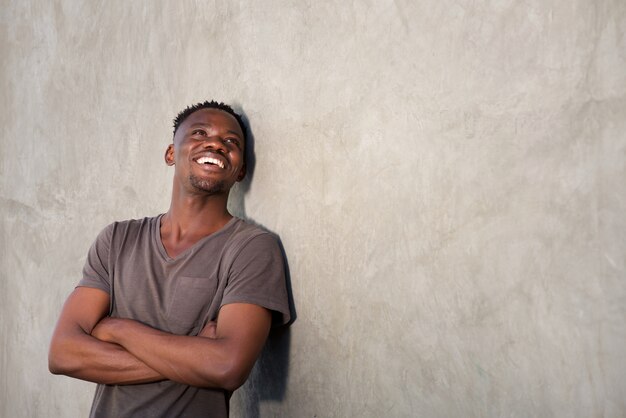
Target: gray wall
{"points": [[448, 179]]}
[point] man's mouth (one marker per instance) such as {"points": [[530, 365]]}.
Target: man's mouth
{"points": [[210, 161]]}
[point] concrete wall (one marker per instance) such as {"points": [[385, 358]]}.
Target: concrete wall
{"points": [[448, 179]]}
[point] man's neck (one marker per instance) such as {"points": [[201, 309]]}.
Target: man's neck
{"points": [[191, 218]]}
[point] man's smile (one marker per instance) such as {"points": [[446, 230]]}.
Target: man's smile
{"points": [[207, 160]]}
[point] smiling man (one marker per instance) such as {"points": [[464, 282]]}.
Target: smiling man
{"points": [[172, 311]]}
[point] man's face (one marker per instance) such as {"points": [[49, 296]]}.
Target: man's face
{"points": [[208, 152]]}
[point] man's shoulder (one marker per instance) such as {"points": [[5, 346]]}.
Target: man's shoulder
{"points": [[128, 227], [244, 231], [248, 238], [134, 223]]}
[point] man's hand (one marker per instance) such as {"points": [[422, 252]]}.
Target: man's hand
{"points": [[105, 328], [209, 330]]}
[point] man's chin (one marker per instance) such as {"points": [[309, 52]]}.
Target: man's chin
{"points": [[208, 186]]}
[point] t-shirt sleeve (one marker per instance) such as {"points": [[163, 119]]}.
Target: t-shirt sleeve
{"points": [[257, 276], [96, 269]]}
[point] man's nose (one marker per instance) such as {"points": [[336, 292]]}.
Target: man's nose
{"points": [[215, 143]]}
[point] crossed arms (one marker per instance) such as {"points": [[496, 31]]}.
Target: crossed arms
{"points": [[88, 345]]}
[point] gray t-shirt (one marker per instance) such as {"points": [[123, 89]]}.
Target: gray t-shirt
{"points": [[238, 263]]}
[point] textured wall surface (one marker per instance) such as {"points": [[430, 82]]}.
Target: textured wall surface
{"points": [[448, 179]]}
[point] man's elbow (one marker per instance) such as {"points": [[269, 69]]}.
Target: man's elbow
{"points": [[54, 365], [233, 383], [58, 363], [232, 376], [55, 368]]}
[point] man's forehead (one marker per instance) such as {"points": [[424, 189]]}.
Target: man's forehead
{"points": [[213, 117]]}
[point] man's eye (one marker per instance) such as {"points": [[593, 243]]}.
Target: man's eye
{"points": [[232, 141], [198, 132]]}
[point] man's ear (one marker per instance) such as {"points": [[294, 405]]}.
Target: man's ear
{"points": [[242, 172], [169, 155]]}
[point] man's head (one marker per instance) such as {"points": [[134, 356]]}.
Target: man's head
{"points": [[208, 148]]}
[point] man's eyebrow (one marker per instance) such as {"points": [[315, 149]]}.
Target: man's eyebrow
{"points": [[233, 132], [200, 124]]}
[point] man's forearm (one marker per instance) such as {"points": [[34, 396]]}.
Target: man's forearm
{"points": [[85, 357], [175, 356], [74, 352], [220, 361]]}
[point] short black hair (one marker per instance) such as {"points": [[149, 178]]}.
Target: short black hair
{"points": [[184, 114]]}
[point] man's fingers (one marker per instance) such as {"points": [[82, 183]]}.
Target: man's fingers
{"points": [[209, 330], [102, 329]]}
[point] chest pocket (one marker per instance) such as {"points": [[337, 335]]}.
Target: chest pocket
{"points": [[190, 301]]}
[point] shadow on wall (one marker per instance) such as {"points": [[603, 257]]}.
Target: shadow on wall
{"points": [[268, 379]]}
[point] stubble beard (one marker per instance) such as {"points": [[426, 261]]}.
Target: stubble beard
{"points": [[208, 186]]}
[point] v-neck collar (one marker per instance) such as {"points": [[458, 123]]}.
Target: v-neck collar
{"points": [[163, 251]]}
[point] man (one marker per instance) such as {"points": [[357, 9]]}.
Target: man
{"points": [[172, 311]]}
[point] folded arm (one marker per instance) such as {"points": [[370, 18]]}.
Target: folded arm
{"points": [[74, 352], [223, 361]]}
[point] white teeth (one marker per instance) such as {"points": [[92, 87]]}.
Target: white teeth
{"points": [[209, 160]]}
